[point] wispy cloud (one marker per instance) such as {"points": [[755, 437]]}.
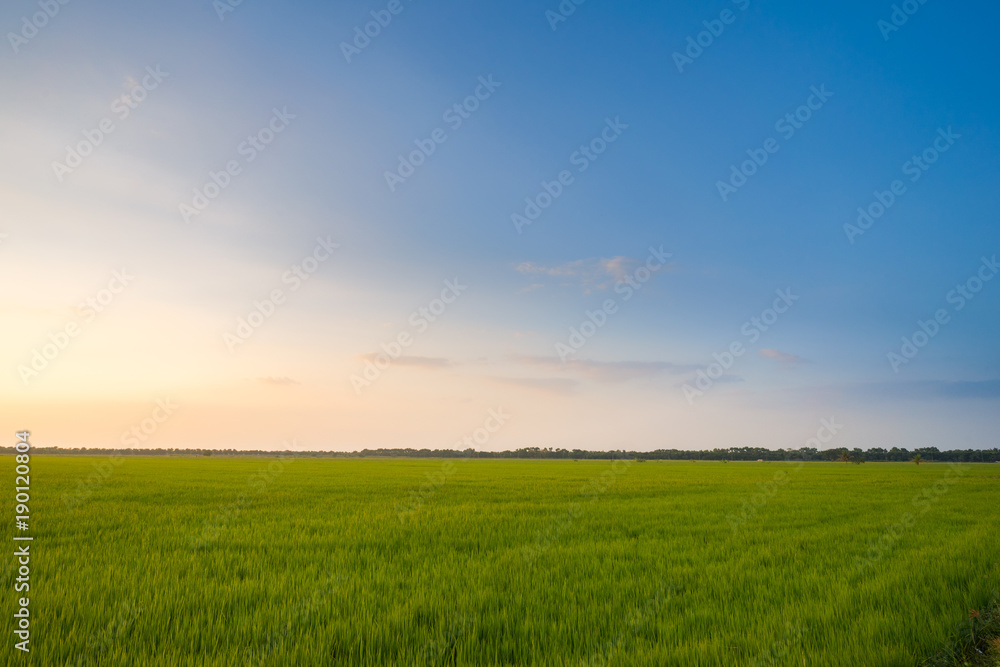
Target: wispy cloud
{"points": [[608, 371], [420, 362], [556, 386], [785, 358], [128, 84], [591, 274]]}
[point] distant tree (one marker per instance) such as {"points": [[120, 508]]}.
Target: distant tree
{"points": [[917, 459], [928, 453], [844, 456]]}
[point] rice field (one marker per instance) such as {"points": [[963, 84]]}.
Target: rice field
{"points": [[223, 561]]}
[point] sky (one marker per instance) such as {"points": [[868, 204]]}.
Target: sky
{"points": [[427, 224]]}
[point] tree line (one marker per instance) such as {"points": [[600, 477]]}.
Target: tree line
{"points": [[856, 455]]}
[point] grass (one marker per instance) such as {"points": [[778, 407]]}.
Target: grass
{"points": [[210, 561], [977, 641]]}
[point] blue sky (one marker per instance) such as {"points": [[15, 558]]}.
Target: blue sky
{"points": [[655, 185]]}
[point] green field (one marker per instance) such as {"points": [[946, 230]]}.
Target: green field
{"points": [[185, 561]]}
